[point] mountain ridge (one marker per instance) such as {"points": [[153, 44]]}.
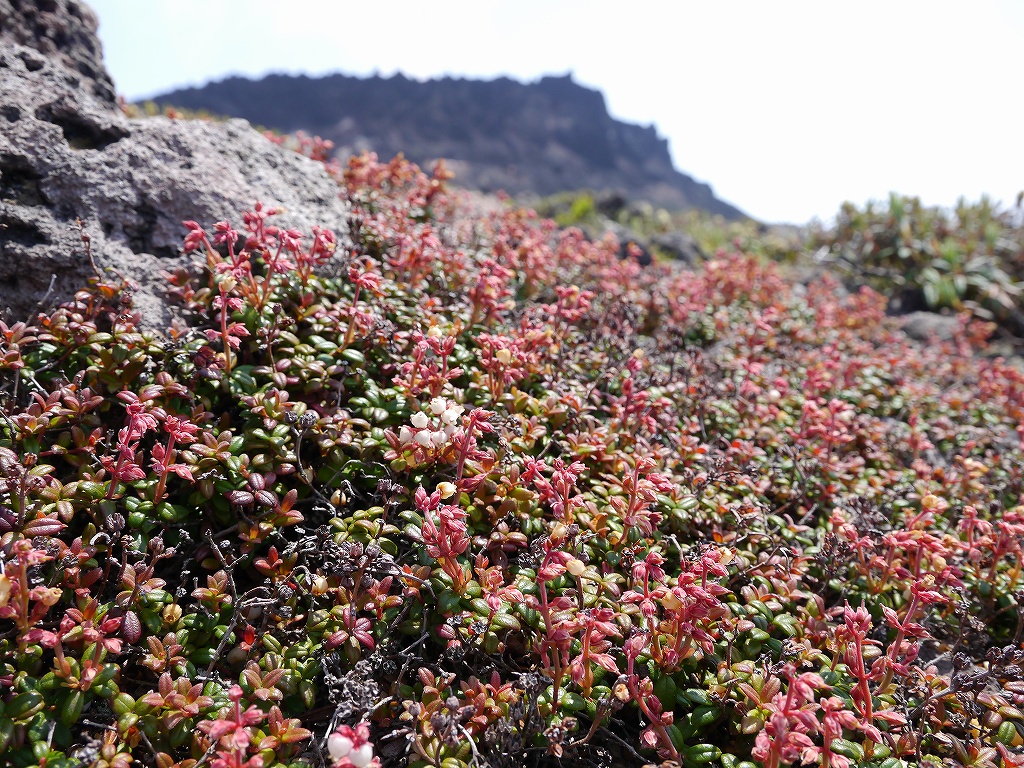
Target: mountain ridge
{"points": [[546, 136]]}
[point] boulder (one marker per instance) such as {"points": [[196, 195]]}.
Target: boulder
{"points": [[679, 246], [71, 163], [610, 203], [62, 31], [929, 326]]}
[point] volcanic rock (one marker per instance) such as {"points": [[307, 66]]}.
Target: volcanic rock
{"points": [[71, 163], [63, 32]]}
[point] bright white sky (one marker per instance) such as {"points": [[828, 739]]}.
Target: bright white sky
{"points": [[786, 108]]}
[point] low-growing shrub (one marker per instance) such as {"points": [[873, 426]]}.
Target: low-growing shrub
{"points": [[969, 258], [468, 490]]}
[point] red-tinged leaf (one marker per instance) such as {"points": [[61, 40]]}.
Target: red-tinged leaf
{"points": [[128, 578], [8, 520], [44, 526], [266, 498], [889, 716], [293, 735], [131, 628], [241, 498], [181, 471], [65, 509], [771, 687]]}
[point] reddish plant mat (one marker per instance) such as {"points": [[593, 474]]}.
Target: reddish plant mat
{"points": [[471, 490]]}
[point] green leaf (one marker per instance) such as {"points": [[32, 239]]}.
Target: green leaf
{"points": [[847, 749]]}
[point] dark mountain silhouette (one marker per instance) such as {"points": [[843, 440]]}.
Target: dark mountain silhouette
{"points": [[544, 137]]}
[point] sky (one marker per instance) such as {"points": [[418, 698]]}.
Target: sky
{"points": [[785, 108]]}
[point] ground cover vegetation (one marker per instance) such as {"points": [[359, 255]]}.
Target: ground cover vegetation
{"points": [[473, 490], [967, 259], [970, 258]]}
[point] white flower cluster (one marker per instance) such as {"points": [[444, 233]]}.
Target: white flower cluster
{"points": [[434, 427], [340, 745]]}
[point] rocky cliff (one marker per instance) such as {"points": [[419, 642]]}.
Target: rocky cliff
{"points": [[543, 137]]}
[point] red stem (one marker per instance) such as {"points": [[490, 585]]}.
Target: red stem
{"points": [[167, 461]]}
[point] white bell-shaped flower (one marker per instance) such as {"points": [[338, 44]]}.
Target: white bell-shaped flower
{"points": [[361, 756], [339, 746]]}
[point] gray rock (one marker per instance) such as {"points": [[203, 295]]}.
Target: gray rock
{"points": [[68, 155], [680, 247], [63, 31], [610, 202], [929, 326], [626, 237]]}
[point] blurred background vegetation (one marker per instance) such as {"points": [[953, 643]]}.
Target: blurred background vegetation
{"points": [[968, 259]]}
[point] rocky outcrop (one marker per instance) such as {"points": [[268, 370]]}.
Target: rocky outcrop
{"points": [[69, 155], [544, 137], [63, 32]]}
